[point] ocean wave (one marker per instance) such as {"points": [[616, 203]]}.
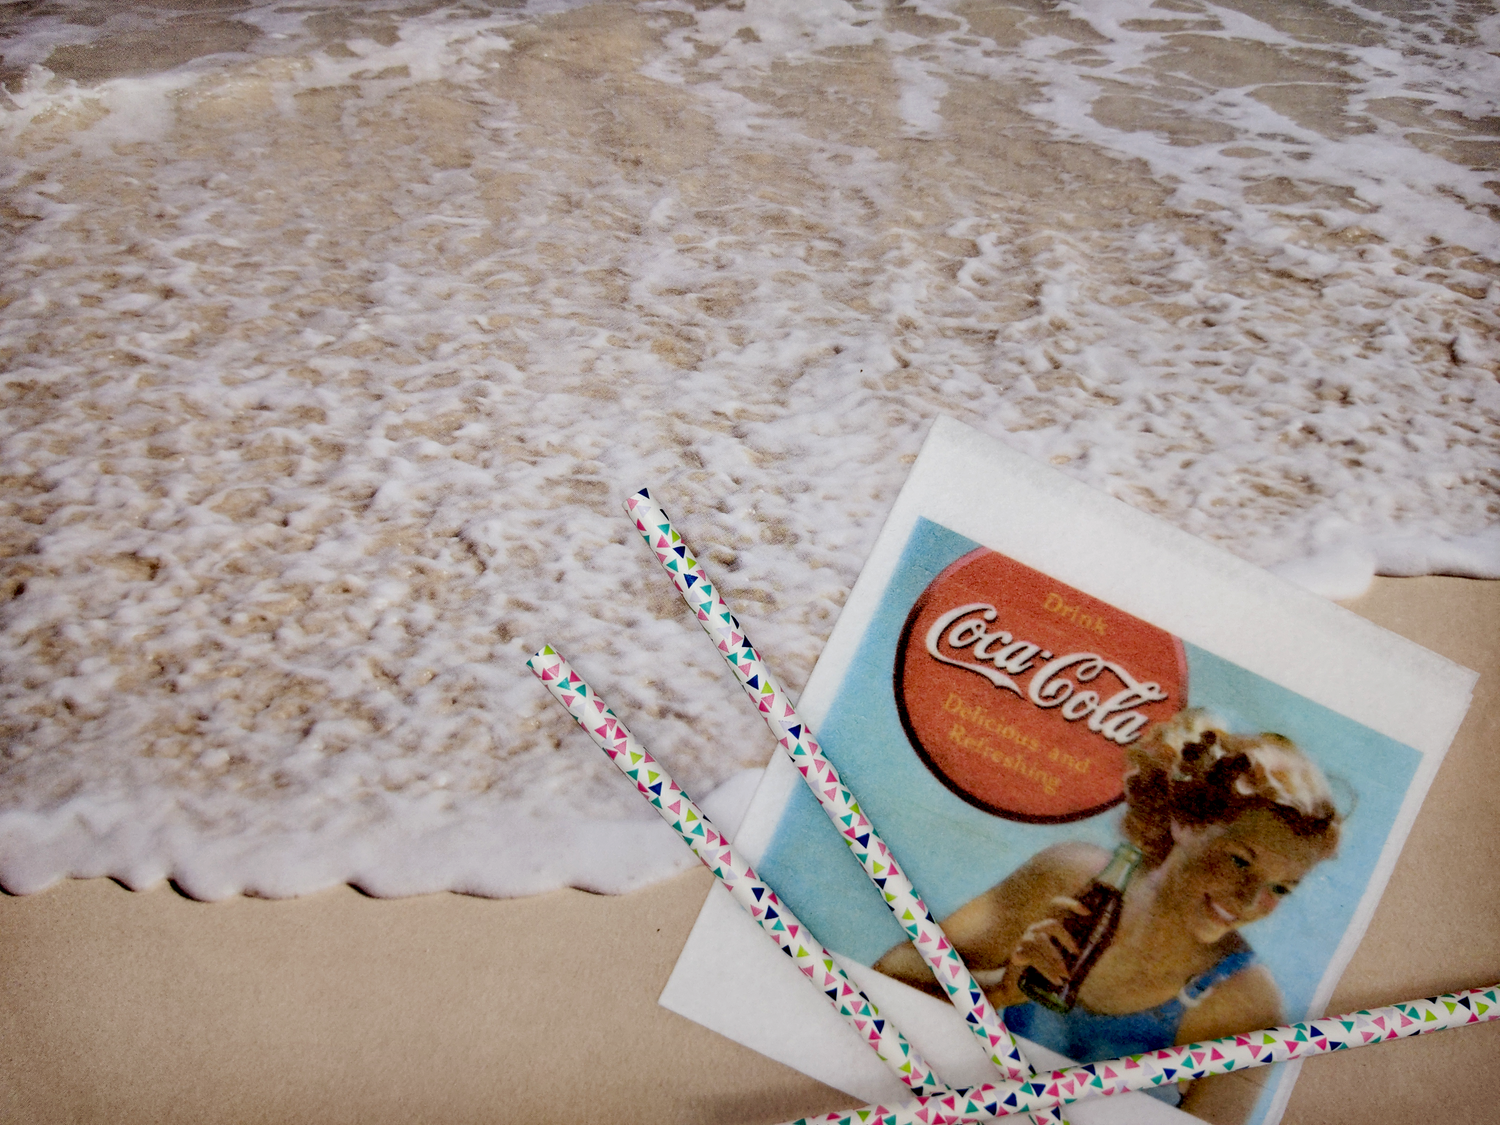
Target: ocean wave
{"points": [[334, 336]]}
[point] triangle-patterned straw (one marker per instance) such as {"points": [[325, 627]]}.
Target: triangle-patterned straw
{"points": [[711, 846], [794, 737], [1189, 1061]]}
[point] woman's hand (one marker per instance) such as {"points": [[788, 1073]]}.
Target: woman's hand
{"points": [[1043, 942], [1039, 947], [991, 931]]}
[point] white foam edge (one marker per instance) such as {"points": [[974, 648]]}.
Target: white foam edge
{"points": [[1346, 570], [513, 853]]}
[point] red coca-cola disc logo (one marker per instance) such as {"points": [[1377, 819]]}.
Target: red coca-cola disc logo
{"points": [[1021, 694]]}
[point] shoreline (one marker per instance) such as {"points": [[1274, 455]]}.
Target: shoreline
{"points": [[126, 1006]]}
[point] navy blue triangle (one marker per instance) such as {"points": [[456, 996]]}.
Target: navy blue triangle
{"points": [[757, 892], [795, 731], [690, 579]]}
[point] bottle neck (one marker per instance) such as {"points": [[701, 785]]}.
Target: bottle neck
{"points": [[1121, 867]]}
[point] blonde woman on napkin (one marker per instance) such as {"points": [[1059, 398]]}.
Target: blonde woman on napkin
{"points": [[1228, 825]]}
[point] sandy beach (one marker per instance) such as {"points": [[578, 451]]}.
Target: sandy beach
{"points": [[123, 1006], [332, 335]]}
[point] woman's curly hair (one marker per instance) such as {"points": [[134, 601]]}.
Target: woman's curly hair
{"points": [[1190, 771]]}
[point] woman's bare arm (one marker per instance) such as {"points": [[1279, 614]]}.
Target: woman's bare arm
{"points": [[1226, 1099], [1246, 1001], [905, 964]]}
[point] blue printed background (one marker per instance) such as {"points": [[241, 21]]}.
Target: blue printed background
{"points": [[953, 851]]}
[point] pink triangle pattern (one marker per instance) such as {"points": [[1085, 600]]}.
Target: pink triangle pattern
{"points": [[718, 855], [794, 737]]}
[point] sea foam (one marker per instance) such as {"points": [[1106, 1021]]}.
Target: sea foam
{"points": [[335, 334]]}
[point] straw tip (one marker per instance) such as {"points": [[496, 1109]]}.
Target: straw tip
{"points": [[545, 650]]}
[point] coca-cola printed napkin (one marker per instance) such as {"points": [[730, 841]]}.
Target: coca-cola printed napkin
{"points": [[1012, 634]]}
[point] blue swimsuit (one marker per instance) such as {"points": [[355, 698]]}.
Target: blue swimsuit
{"points": [[1088, 1036]]}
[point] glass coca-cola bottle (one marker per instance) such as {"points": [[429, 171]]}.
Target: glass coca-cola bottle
{"points": [[1093, 930]]}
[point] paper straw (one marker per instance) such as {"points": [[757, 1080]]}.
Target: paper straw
{"points": [[718, 855], [1192, 1060], [823, 779]]}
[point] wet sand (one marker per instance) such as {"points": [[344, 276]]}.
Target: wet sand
{"points": [[334, 333]]}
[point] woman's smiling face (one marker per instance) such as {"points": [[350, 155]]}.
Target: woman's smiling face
{"points": [[1224, 876]]}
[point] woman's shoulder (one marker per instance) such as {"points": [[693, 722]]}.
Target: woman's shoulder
{"points": [[1070, 860], [1243, 1001], [987, 926], [1062, 869]]}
